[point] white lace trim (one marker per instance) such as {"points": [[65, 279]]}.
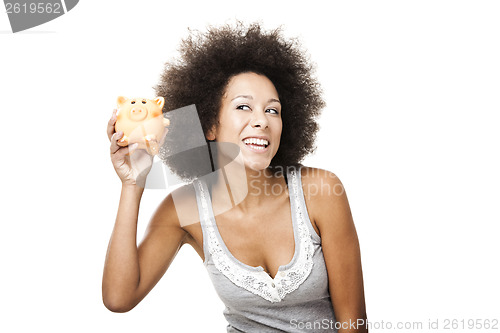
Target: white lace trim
{"points": [[259, 282]]}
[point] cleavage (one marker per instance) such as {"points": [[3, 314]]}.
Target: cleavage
{"points": [[266, 240]]}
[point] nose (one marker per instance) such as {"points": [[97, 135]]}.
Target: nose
{"points": [[138, 114], [259, 120]]}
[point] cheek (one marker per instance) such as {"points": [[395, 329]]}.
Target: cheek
{"points": [[237, 123], [279, 128], [231, 127]]}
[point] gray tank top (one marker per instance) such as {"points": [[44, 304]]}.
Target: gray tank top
{"points": [[296, 300]]}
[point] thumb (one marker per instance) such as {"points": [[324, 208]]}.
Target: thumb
{"points": [[132, 148]]}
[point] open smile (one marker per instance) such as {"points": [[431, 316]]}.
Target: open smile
{"points": [[256, 144]]}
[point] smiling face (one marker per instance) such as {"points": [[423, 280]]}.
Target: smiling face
{"points": [[250, 117]]}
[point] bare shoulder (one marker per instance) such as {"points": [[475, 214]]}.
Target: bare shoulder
{"points": [[321, 185], [315, 177], [325, 197]]}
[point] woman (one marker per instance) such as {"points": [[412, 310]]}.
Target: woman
{"points": [[277, 238]]}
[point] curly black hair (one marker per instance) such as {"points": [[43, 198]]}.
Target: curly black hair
{"points": [[209, 60]]}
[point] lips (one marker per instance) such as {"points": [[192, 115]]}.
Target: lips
{"points": [[256, 143]]}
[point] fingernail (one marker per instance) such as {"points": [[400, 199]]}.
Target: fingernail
{"points": [[133, 146]]}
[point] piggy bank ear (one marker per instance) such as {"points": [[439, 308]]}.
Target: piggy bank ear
{"points": [[160, 101], [121, 100]]}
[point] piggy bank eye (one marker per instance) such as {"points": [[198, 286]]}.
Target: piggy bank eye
{"points": [[133, 102], [143, 101]]}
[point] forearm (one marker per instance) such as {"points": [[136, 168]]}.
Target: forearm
{"points": [[121, 269], [353, 323]]}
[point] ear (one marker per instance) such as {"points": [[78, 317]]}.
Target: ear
{"points": [[210, 134], [121, 100], [160, 101]]}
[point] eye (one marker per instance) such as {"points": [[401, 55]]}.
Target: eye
{"points": [[133, 102], [143, 101], [243, 107], [272, 111]]}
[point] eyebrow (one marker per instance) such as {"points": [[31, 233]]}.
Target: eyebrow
{"points": [[250, 97]]}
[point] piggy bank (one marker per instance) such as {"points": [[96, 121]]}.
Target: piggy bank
{"points": [[141, 121]]}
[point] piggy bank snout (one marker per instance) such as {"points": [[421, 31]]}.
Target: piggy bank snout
{"points": [[138, 114]]}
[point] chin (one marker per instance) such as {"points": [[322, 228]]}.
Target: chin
{"points": [[256, 161], [256, 164], [257, 167]]}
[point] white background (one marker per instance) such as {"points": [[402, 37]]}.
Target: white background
{"points": [[410, 127]]}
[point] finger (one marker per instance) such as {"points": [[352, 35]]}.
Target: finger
{"points": [[111, 124], [120, 154], [114, 142], [132, 148], [123, 151]]}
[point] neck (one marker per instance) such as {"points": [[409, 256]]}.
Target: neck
{"points": [[245, 189]]}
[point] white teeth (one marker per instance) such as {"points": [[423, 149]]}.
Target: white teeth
{"points": [[256, 141]]}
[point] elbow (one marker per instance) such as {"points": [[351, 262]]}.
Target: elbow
{"points": [[117, 305], [117, 308]]}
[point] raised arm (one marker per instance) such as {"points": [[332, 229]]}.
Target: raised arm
{"points": [[330, 210], [130, 272]]}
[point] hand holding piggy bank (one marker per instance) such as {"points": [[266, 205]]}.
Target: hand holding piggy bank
{"points": [[141, 121]]}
